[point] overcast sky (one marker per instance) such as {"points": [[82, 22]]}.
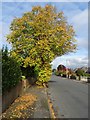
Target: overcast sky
{"points": [[77, 15]]}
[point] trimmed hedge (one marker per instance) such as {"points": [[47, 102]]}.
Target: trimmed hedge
{"points": [[11, 74]]}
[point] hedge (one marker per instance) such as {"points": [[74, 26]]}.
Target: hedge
{"points": [[11, 72]]}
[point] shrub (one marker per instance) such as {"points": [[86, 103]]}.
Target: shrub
{"points": [[11, 71], [64, 75], [72, 77], [60, 73], [87, 74], [80, 72], [53, 70], [57, 73]]}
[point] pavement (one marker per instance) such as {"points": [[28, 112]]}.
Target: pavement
{"points": [[64, 98], [36, 108], [69, 97]]}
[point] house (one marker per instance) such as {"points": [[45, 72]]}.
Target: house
{"points": [[66, 72], [61, 68]]}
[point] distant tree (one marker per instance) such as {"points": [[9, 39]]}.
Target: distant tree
{"points": [[53, 70], [39, 36]]}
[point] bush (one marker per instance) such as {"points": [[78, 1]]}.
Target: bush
{"points": [[80, 72], [57, 73], [60, 73], [64, 75], [11, 74], [87, 75], [72, 77]]}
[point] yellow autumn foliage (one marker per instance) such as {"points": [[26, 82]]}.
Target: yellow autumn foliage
{"points": [[39, 36]]}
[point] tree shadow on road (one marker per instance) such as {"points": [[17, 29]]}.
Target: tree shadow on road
{"points": [[51, 81]]}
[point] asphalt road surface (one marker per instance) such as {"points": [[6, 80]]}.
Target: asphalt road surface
{"points": [[69, 97]]}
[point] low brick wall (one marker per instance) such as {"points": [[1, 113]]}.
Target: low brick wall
{"points": [[15, 92]]}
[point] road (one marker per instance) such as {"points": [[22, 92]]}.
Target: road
{"points": [[69, 97]]}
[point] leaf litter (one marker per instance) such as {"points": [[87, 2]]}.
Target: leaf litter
{"points": [[23, 107]]}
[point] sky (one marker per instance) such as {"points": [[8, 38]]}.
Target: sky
{"points": [[76, 14]]}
